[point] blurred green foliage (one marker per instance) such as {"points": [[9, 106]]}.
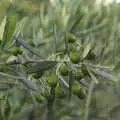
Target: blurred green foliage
{"points": [[33, 40]]}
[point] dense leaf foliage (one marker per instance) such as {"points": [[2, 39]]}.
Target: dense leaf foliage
{"points": [[61, 63]]}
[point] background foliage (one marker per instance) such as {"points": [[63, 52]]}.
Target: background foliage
{"points": [[39, 32]]}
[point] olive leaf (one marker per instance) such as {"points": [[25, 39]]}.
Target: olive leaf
{"points": [[29, 84], [66, 44], [105, 75], [63, 81], [55, 37], [41, 66], [76, 23], [2, 28], [10, 26], [86, 50], [20, 40], [20, 26], [92, 75], [94, 29]]}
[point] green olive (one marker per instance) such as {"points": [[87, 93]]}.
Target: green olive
{"points": [[39, 98], [78, 90], [63, 70], [71, 38], [17, 51], [76, 87], [59, 92], [77, 74], [81, 94], [74, 57], [52, 79], [36, 75]]}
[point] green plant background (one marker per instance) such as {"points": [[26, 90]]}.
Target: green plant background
{"points": [[44, 25]]}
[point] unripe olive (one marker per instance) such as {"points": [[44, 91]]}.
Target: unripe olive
{"points": [[74, 57], [81, 94], [71, 38], [76, 87], [39, 98], [16, 51], [59, 92], [52, 79], [36, 75], [64, 70], [77, 74], [77, 90]]}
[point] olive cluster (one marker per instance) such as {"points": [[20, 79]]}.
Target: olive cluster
{"points": [[64, 70], [74, 54], [52, 81], [77, 89], [78, 72]]}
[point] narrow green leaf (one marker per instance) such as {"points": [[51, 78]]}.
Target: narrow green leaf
{"points": [[2, 28], [64, 81], [66, 44], [8, 31], [92, 76], [20, 26], [27, 46], [41, 66], [29, 84], [95, 28], [87, 49], [55, 38], [76, 23], [105, 75]]}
